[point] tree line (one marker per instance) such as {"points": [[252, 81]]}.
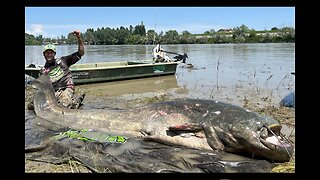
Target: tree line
{"points": [[139, 35]]}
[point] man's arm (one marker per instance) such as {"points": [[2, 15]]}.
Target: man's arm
{"points": [[76, 56], [80, 42]]}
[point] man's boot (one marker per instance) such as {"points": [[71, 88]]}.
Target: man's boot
{"points": [[78, 100], [30, 106]]}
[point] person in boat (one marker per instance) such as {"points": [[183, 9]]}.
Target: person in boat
{"points": [[60, 74], [159, 55]]}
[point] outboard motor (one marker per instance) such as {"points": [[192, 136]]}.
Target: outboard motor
{"points": [[182, 58]]}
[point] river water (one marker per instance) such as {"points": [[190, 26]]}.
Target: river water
{"points": [[228, 72]]}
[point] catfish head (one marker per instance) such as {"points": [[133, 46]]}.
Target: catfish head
{"points": [[260, 136]]}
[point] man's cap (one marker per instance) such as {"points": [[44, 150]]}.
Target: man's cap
{"points": [[49, 46]]}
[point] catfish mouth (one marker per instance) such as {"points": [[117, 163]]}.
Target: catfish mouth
{"points": [[272, 138]]}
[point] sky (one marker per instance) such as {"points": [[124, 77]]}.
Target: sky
{"points": [[52, 22]]}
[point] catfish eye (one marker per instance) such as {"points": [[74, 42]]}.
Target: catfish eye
{"points": [[264, 132]]}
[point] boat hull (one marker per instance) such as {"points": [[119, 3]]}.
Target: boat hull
{"points": [[112, 71]]}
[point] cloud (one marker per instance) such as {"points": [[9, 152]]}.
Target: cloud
{"points": [[39, 29], [36, 29], [53, 30]]}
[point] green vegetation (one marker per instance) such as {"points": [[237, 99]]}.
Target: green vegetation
{"points": [[93, 137], [139, 35]]}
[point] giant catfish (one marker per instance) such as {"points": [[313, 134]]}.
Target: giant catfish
{"points": [[194, 123]]}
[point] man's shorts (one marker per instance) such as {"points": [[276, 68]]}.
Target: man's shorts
{"points": [[66, 98]]}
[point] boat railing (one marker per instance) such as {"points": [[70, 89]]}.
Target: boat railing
{"points": [[98, 65]]}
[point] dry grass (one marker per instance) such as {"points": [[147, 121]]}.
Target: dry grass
{"points": [[42, 167]]}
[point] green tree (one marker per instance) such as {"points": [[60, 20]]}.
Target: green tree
{"points": [[140, 30], [186, 37], [252, 37], [30, 39], [287, 34], [121, 35], [151, 37], [171, 37], [89, 36], [239, 33], [71, 39]]}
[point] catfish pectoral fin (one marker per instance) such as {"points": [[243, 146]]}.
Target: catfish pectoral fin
{"points": [[212, 138]]}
